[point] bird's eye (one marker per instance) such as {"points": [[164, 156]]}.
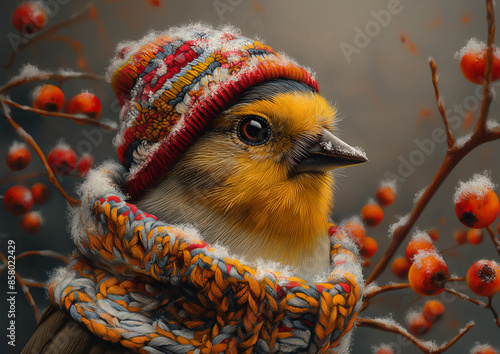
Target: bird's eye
{"points": [[254, 130]]}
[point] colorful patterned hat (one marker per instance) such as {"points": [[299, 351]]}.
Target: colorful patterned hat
{"points": [[170, 86]]}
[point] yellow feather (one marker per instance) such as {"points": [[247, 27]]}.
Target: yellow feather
{"points": [[246, 197]]}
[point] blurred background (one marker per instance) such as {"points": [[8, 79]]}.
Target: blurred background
{"points": [[371, 60]]}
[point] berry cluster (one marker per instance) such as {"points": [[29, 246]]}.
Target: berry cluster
{"points": [[50, 98]]}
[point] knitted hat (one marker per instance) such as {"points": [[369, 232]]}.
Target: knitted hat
{"points": [[171, 85]]}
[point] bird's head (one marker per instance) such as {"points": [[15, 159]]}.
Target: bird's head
{"points": [[222, 132], [259, 180]]}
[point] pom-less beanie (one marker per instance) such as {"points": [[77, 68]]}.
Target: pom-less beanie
{"points": [[171, 85]]}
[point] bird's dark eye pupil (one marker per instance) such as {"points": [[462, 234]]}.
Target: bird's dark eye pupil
{"points": [[254, 130]]}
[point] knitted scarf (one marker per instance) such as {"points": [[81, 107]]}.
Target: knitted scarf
{"points": [[158, 288]]}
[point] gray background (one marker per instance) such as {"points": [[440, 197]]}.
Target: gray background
{"points": [[378, 91]]}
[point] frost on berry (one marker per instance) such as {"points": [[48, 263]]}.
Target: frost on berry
{"points": [[479, 185], [476, 205], [481, 348], [18, 156], [472, 46]]}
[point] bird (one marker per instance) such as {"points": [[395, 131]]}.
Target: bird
{"points": [[258, 180], [252, 176]]}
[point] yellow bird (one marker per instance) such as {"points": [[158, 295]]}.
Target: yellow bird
{"points": [[224, 134], [257, 180]]}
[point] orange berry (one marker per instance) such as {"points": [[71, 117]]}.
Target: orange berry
{"points": [[400, 267], [483, 349], [367, 262], [419, 242], [18, 156], [428, 274], [483, 278], [498, 227], [31, 222], [383, 349], [62, 159], [85, 103], [29, 18], [432, 310], [473, 62], [433, 234], [477, 208], [369, 248], [49, 98], [372, 214], [40, 193], [355, 230], [418, 324], [475, 236], [84, 165], [18, 200], [386, 195], [460, 236]]}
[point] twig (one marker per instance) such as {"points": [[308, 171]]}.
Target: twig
{"points": [[389, 326], [29, 297], [61, 77], [61, 115], [25, 176], [449, 133], [456, 279], [495, 314], [46, 253], [382, 289], [29, 139], [77, 48], [465, 297], [33, 283], [454, 155], [496, 241]]}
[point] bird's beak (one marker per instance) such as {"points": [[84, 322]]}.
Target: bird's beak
{"points": [[330, 153]]}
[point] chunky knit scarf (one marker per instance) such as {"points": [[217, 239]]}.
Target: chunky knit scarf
{"points": [[158, 288]]}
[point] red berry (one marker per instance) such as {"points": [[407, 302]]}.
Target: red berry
{"points": [[475, 236], [84, 103], [29, 18], [419, 242], [40, 193], [498, 227], [417, 323], [49, 98], [460, 236], [433, 234], [31, 222], [62, 159], [84, 165], [386, 195], [473, 62], [18, 200], [432, 310], [369, 248], [332, 229], [18, 156], [476, 205], [372, 214], [428, 274], [483, 278], [383, 349], [400, 267]]}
